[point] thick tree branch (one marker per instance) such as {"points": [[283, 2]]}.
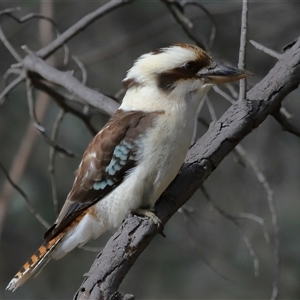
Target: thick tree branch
{"points": [[121, 251], [35, 64]]}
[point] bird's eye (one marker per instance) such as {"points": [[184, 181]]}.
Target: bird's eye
{"points": [[191, 67]]}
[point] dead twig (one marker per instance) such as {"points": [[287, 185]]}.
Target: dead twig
{"points": [[38, 126], [271, 203], [210, 16], [60, 100], [11, 86], [242, 51], [284, 120], [38, 16], [265, 49], [233, 92], [82, 69], [223, 94], [34, 64], [258, 220], [233, 219], [186, 217], [177, 11], [79, 26], [25, 197], [52, 155], [9, 46], [211, 109]]}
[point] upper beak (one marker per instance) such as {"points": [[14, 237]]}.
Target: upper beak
{"points": [[222, 74]]}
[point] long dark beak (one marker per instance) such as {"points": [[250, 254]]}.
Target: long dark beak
{"points": [[222, 74]]}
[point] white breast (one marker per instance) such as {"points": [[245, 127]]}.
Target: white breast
{"points": [[161, 154]]}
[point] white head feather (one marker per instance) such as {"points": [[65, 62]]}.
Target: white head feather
{"points": [[150, 64]]}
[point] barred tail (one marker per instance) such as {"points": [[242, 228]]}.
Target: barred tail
{"points": [[35, 264]]}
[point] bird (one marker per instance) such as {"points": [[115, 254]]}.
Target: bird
{"points": [[135, 156]]}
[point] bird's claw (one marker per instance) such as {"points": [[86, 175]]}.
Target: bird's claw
{"points": [[148, 213]]}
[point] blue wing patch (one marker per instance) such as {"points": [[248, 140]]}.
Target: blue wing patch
{"points": [[101, 185], [121, 155]]}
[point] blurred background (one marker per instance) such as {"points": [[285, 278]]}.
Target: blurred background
{"points": [[204, 255]]}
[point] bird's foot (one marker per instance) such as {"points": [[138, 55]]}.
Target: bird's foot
{"points": [[148, 213], [143, 212]]}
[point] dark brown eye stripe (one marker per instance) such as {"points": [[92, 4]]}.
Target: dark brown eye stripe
{"points": [[166, 80], [191, 67]]}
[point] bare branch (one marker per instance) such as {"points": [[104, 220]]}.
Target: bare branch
{"points": [[52, 154], [65, 79], [177, 11], [28, 17], [270, 197], [284, 121], [39, 16], [60, 100], [82, 68], [265, 49], [234, 221], [8, 73], [23, 194], [100, 101], [186, 216], [258, 220], [11, 86], [230, 88], [211, 109], [79, 26], [9, 46], [201, 105], [38, 126], [118, 44], [210, 16], [242, 52], [223, 94]]}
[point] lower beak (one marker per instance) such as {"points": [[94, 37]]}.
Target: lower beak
{"points": [[222, 74]]}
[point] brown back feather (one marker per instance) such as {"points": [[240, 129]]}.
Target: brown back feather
{"points": [[122, 130]]}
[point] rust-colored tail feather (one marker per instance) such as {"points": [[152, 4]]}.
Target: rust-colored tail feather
{"points": [[35, 264]]}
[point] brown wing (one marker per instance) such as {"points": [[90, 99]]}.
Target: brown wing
{"points": [[105, 163]]}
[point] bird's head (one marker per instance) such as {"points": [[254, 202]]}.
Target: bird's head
{"points": [[179, 70], [168, 67]]}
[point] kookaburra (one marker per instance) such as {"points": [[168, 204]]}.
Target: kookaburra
{"points": [[136, 155]]}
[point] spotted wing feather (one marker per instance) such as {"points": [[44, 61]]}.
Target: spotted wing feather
{"points": [[105, 163]]}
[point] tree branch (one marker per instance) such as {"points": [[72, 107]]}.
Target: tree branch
{"points": [[79, 26], [68, 81], [124, 247], [242, 51], [266, 50], [285, 123], [60, 100], [98, 100], [177, 10]]}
